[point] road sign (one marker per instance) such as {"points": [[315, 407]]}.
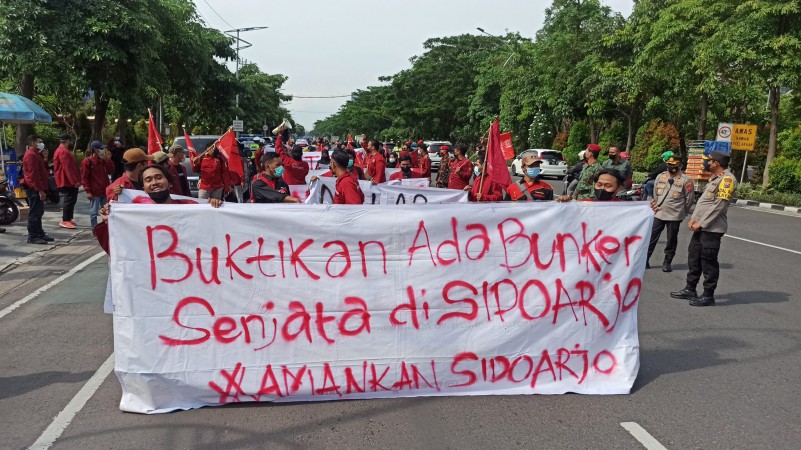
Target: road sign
{"points": [[724, 132], [239, 125], [265, 128], [743, 137]]}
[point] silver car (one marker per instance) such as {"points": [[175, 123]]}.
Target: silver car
{"points": [[433, 152], [553, 163]]}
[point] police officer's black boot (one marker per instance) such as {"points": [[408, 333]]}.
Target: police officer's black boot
{"points": [[666, 265], [685, 294], [704, 300]]}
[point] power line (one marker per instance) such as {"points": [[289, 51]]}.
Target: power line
{"points": [[326, 96], [218, 14]]}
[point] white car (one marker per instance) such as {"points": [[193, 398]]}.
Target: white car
{"points": [[553, 163], [433, 152]]}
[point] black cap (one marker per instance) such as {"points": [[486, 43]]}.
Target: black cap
{"points": [[722, 158], [65, 137]]}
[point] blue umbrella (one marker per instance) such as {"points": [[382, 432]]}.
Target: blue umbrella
{"points": [[18, 109]]}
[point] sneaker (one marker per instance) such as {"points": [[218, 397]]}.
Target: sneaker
{"points": [[36, 240], [67, 224], [74, 225]]}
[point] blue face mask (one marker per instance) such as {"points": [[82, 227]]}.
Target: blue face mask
{"points": [[350, 163], [279, 172], [533, 172], [476, 170]]}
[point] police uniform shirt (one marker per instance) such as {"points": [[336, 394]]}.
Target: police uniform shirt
{"points": [[710, 212], [674, 200]]}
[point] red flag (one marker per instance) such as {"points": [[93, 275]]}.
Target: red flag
{"points": [[230, 150], [189, 146], [496, 165], [506, 146], [153, 139], [350, 142]]}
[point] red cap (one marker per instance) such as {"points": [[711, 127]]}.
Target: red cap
{"points": [[420, 141], [594, 148]]}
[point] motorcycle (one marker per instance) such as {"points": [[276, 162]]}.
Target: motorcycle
{"points": [[9, 205]]}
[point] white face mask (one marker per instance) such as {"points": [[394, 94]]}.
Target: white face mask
{"points": [[102, 152], [40, 146]]}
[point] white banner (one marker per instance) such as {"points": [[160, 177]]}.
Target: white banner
{"points": [[414, 182], [322, 191], [402, 301]]}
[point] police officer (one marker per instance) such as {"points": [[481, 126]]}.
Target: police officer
{"points": [[673, 198], [708, 224]]}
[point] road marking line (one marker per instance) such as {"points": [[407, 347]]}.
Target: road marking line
{"points": [[44, 288], [63, 419], [639, 433], [758, 243]]}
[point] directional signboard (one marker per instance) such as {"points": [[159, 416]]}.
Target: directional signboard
{"points": [[239, 125]]}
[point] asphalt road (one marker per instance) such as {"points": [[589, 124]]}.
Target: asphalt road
{"points": [[720, 377]]}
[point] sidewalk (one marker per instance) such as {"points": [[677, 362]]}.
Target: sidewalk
{"points": [[14, 247], [771, 206]]}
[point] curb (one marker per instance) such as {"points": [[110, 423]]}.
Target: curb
{"points": [[771, 206]]}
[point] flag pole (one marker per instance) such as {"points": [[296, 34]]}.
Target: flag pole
{"points": [[484, 163]]}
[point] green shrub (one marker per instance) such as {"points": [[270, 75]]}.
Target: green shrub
{"points": [[639, 177], [785, 175], [577, 141], [653, 139], [560, 141], [615, 134], [790, 143], [747, 191]]}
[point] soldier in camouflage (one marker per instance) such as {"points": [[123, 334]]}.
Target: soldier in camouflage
{"points": [[674, 195], [586, 184], [708, 224]]}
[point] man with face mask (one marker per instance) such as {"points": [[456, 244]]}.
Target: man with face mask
{"points": [[95, 171], [674, 196], [708, 224], [376, 163], [483, 188], [532, 188], [134, 161], [406, 170], [460, 168], [423, 161], [616, 162], [68, 180], [268, 186], [348, 191], [585, 187], [36, 184]]}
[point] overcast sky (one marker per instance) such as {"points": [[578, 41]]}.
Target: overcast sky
{"points": [[381, 36]]}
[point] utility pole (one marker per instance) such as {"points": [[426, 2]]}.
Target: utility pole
{"points": [[241, 44], [504, 43]]}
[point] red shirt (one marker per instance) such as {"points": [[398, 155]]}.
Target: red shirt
{"points": [[95, 171], [257, 160], [348, 191], [123, 181], [490, 192], [37, 177], [65, 168], [144, 199], [425, 166], [538, 190], [213, 173], [461, 171], [376, 165], [399, 175], [177, 184]]}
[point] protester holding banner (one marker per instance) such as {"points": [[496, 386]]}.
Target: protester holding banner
{"points": [[268, 186], [423, 161], [533, 189], [214, 174], [134, 161], [406, 170], [180, 185], [461, 169], [348, 191], [483, 188], [376, 164]]}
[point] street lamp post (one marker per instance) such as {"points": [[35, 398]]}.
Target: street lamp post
{"points": [[240, 46], [501, 40]]}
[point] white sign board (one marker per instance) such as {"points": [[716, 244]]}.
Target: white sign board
{"points": [[724, 132], [238, 125], [402, 301]]}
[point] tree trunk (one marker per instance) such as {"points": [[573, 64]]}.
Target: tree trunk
{"points": [[122, 126], [26, 89], [593, 131], [631, 126], [101, 108], [773, 99], [702, 118]]}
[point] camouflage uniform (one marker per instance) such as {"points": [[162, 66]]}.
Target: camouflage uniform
{"points": [[586, 184]]}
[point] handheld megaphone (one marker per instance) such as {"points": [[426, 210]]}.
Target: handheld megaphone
{"points": [[287, 125]]}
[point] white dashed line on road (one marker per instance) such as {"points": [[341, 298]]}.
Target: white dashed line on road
{"points": [[645, 438], [63, 419], [49, 285], [763, 244]]}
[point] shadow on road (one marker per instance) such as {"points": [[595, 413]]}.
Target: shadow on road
{"points": [[751, 297], [22, 384]]}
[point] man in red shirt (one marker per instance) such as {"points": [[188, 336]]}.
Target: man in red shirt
{"points": [[376, 164], [213, 170], [461, 168], [68, 180], [96, 169], [406, 170], [134, 161], [180, 183], [348, 191], [37, 183], [533, 189], [483, 188], [423, 161]]}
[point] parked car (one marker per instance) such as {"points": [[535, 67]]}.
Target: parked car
{"points": [[433, 152], [201, 142], [553, 162]]}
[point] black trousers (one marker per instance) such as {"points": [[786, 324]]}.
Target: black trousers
{"points": [[35, 214], [672, 237], [702, 257], [69, 196]]}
